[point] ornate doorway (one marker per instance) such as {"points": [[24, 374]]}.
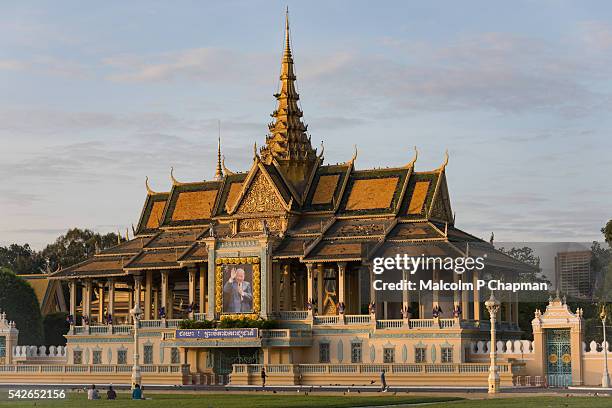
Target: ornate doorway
{"points": [[558, 357]]}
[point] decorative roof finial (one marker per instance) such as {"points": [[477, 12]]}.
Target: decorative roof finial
{"points": [[226, 171], [322, 150], [149, 191], [414, 159], [443, 166], [175, 182], [219, 170], [352, 161]]}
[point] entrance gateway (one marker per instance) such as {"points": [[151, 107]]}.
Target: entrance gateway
{"points": [[558, 357]]}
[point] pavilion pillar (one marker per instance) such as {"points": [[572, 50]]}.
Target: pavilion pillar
{"points": [[436, 292], [456, 293], [137, 289], [320, 288], [405, 297], [87, 299], [508, 307], [299, 291], [309, 284], [465, 302], [73, 292], [515, 309], [192, 288], [202, 308], [476, 295], [156, 303], [100, 304], [111, 298], [171, 301], [164, 290], [147, 296], [287, 295], [341, 282], [130, 300]]}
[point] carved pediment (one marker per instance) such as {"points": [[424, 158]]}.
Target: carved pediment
{"points": [[260, 198]]}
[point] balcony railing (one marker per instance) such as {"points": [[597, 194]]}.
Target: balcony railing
{"points": [[407, 368]]}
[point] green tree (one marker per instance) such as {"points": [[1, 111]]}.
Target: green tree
{"points": [[76, 246], [18, 300], [529, 301], [55, 326], [21, 259], [607, 231]]}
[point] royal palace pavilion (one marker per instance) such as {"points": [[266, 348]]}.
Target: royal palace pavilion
{"points": [[291, 242]]}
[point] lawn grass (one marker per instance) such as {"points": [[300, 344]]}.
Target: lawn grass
{"points": [[282, 400], [206, 400], [532, 402]]}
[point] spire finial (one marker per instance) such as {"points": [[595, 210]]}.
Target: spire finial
{"points": [[287, 140], [219, 170]]}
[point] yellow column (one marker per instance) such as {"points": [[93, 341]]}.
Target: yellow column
{"points": [[465, 300], [137, 289], [171, 301], [287, 295], [476, 295], [341, 282], [192, 288], [111, 298], [87, 299], [100, 304], [310, 282], [164, 290], [320, 288], [515, 309], [73, 289], [202, 288], [147, 297], [156, 303]]}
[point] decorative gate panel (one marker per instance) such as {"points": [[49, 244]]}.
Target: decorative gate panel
{"points": [[558, 357]]}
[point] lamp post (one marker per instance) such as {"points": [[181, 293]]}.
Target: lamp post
{"points": [[492, 305], [136, 376], [605, 377]]}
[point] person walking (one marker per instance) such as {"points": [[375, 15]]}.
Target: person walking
{"points": [[92, 393], [263, 376], [383, 382]]}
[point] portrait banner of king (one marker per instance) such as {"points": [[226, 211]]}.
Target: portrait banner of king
{"points": [[237, 290]]}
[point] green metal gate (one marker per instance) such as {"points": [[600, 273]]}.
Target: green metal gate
{"points": [[226, 357], [559, 358]]}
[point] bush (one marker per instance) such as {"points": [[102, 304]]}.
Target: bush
{"points": [[55, 326], [246, 322], [18, 300], [192, 324]]}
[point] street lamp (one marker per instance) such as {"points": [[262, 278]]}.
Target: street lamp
{"points": [[492, 305], [605, 378], [136, 376]]}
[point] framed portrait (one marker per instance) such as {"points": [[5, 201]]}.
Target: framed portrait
{"points": [[237, 290]]}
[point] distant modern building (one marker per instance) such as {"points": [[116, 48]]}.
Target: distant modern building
{"points": [[573, 273]]}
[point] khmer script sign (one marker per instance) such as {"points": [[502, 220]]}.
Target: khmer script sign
{"points": [[217, 333]]}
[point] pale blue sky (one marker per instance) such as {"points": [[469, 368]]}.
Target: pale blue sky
{"points": [[96, 96]]}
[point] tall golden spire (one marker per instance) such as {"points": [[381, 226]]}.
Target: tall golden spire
{"points": [[219, 170], [287, 141]]}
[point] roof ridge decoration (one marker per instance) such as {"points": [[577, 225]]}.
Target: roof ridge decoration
{"points": [[149, 190], [414, 159], [175, 182], [226, 171]]}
